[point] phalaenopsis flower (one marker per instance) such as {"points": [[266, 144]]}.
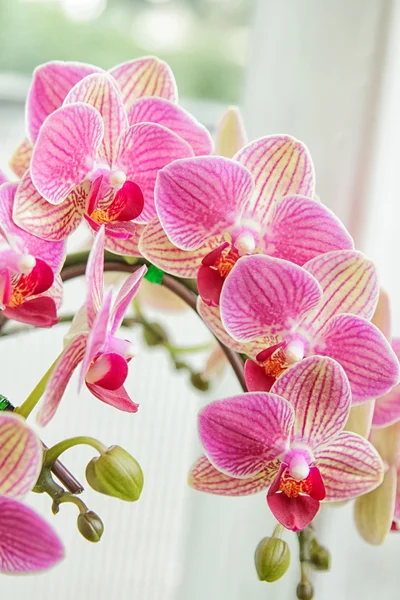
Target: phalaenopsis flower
{"points": [[27, 543], [291, 441], [92, 342]]}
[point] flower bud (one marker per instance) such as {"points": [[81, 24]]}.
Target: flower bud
{"points": [[319, 556], [116, 473], [272, 559], [90, 526], [198, 382], [155, 335], [305, 591]]}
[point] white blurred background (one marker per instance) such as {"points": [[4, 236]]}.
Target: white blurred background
{"points": [[325, 72]]}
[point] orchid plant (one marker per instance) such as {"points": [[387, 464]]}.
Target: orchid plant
{"points": [[233, 229]]}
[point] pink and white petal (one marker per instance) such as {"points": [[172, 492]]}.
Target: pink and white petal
{"points": [[66, 150], [301, 228], [143, 150], [211, 315], [62, 373], [55, 292], [231, 135], [318, 390], [360, 418], [27, 543], [40, 311], [50, 222], [203, 477], [350, 466], [387, 408], [363, 351], [53, 253], [172, 116], [100, 91], [201, 197], [264, 297], [350, 285], [156, 247], [147, 76], [373, 512], [242, 433], [125, 296], [95, 278], [21, 157], [387, 442], [125, 247], [119, 398], [21, 456], [3, 178], [281, 166], [97, 338], [382, 317], [51, 84]]}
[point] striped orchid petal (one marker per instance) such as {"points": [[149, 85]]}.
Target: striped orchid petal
{"points": [[387, 407], [373, 512], [156, 247], [349, 283], [65, 150], [125, 295], [204, 477], [21, 456], [350, 466], [211, 315], [231, 135], [3, 178], [21, 157], [242, 433], [201, 197], [52, 253], [318, 389], [301, 229], [147, 76], [264, 297], [281, 166], [49, 221], [143, 150], [172, 116], [100, 91], [126, 247], [51, 84], [94, 278], [97, 337], [27, 543], [70, 358], [118, 399], [363, 351]]}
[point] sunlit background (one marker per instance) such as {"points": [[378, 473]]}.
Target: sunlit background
{"points": [[327, 73]]}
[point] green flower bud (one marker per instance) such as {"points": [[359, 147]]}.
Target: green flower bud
{"points": [[155, 335], [305, 591], [198, 382], [116, 473], [90, 526], [272, 559], [319, 557]]}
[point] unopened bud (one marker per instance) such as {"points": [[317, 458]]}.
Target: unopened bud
{"points": [[305, 591], [155, 335], [90, 526], [319, 556], [199, 383], [272, 559], [116, 473]]}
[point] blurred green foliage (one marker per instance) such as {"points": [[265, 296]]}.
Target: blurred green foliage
{"points": [[32, 32]]}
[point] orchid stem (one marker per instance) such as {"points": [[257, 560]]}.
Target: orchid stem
{"points": [[55, 451], [29, 404]]}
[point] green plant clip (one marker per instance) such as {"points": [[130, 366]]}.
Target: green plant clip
{"points": [[154, 275], [5, 404]]}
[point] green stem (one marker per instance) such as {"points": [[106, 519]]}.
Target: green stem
{"points": [[74, 500], [187, 349], [29, 404], [55, 451]]}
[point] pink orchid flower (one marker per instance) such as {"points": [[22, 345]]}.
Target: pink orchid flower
{"points": [[92, 342], [321, 309], [215, 210], [27, 543], [30, 287], [291, 441]]}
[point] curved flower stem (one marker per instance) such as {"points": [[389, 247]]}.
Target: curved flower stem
{"points": [[29, 404], [55, 451], [181, 288]]}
